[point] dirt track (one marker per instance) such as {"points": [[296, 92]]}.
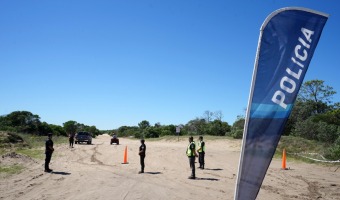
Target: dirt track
{"points": [[95, 172]]}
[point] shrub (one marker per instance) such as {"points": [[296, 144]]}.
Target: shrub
{"points": [[237, 133], [327, 132], [306, 129], [333, 153]]}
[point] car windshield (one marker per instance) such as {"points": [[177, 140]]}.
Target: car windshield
{"points": [[83, 133]]}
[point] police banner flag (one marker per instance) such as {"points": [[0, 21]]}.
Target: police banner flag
{"points": [[288, 38]]}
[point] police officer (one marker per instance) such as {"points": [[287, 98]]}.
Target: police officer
{"points": [[48, 151], [142, 150], [191, 153], [201, 152], [71, 139]]}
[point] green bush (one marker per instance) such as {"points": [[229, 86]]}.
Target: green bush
{"points": [[138, 134], [237, 134], [333, 152], [151, 132], [327, 132], [306, 129], [14, 138]]}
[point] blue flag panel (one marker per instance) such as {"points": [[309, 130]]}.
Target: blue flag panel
{"points": [[288, 38]]}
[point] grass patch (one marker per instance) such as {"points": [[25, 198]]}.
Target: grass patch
{"points": [[33, 153], [300, 145], [11, 169], [27, 144], [2, 151], [36, 145], [34, 141]]}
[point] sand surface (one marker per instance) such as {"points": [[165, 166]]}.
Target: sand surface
{"points": [[95, 172]]}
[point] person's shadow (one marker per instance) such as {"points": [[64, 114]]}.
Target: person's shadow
{"points": [[208, 179], [61, 173], [215, 169], [153, 173]]}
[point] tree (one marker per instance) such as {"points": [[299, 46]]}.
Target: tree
{"points": [[196, 127], [306, 129], [151, 132], [44, 128], [58, 130], [313, 103], [218, 115], [125, 131], [327, 132], [217, 127], [158, 124], [92, 129], [318, 93], [301, 111], [22, 121], [144, 124], [70, 127], [330, 117], [336, 106], [207, 115], [237, 128]]}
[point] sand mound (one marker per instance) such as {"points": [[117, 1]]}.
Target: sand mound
{"points": [[14, 158]]}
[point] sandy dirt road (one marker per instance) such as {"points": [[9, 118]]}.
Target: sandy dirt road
{"points": [[95, 172]]}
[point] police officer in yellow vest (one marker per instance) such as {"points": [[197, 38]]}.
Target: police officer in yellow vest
{"points": [[191, 153], [201, 152]]}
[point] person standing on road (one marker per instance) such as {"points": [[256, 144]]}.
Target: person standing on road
{"points": [[48, 151], [142, 150], [191, 153], [201, 152], [71, 139]]}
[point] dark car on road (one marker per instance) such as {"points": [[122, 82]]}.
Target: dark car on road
{"points": [[83, 137]]}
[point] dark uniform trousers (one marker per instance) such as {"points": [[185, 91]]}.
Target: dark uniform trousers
{"points": [[142, 157], [201, 159], [192, 165], [48, 160]]}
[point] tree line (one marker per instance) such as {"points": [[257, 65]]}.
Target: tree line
{"points": [[27, 122], [314, 116], [209, 124]]}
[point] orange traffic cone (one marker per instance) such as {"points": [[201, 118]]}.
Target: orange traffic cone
{"points": [[284, 159], [125, 156]]}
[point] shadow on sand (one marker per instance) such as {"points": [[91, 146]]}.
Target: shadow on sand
{"points": [[61, 173], [216, 169], [153, 173], [207, 179]]}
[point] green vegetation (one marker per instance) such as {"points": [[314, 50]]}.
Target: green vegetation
{"points": [[206, 125], [315, 117], [26, 122], [297, 145], [26, 144], [34, 141], [313, 126], [10, 169], [33, 153]]}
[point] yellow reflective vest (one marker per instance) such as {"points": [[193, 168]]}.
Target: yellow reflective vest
{"points": [[200, 148], [190, 151]]}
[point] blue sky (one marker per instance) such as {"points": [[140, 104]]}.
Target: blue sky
{"points": [[115, 63]]}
